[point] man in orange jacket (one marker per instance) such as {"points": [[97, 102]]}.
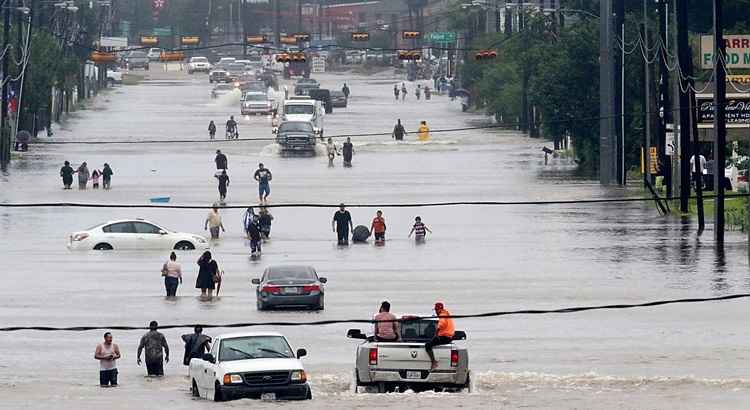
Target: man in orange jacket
{"points": [[444, 334]]}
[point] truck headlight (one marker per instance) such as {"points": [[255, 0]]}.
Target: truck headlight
{"points": [[232, 379], [299, 376]]}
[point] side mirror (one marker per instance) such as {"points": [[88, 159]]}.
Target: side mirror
{"points": [[323, 280], [209, 358], [255, 281], [162, 232], [301, 353], [355, 334], [459, 335]]}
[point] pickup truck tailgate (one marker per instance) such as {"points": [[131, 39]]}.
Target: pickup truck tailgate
{"points": [[411, 356]]}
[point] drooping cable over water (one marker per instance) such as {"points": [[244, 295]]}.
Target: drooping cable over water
{"points": [[575, 309], [354, 205]]}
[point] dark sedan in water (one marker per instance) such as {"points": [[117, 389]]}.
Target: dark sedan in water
{"points": [[290, 286]]}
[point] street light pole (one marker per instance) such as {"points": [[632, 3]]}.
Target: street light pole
{"points": [[720, 131]]}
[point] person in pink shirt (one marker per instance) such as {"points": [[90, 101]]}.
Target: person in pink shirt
{"points": [[386, 326]]}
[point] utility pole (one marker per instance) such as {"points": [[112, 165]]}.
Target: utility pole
{"points": [[665, 164], [4, 128], [619, 80], [720, 137], [300, 29], [607, 128], [277, 21], [243, 18], [684, 55], [647, 95]]}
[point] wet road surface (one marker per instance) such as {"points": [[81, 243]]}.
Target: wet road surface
{"points": [[479, 259]]}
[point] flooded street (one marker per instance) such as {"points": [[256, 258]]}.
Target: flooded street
{"points": [[479, 259]]}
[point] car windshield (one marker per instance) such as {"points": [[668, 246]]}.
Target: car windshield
{"points": [[236, 67], [255, 97], [337, 94], [298, 109], [296, 127], [290, 272], [199, 60], [254, 347], [414, 330], [137, 54], [223, 87]]}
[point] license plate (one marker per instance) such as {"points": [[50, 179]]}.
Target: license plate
{"points": [[291, 291], [268, 396], [413, 375]]}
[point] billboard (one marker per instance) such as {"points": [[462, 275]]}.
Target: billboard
{"points": [[737, 51], [737, 110]]}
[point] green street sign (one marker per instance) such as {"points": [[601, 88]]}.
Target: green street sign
{"points": [[162, 31], [443, 36]]}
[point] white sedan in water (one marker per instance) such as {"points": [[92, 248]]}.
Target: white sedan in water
{"points": [[133, 234]]}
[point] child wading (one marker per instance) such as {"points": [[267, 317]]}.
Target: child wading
{"points": [[419, 230]]}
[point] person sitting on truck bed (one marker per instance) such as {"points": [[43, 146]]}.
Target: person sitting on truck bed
{"points": [[386, 331], [445, 331]]}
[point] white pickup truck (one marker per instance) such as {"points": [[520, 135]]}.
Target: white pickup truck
{"points": [[254, 365], [404, 365]]}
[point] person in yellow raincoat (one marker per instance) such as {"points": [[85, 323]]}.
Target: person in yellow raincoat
{"points": [[424, 131]]}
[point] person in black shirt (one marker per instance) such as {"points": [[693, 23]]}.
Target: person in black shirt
{"points": [[255, 237], [263, 176], [348, 151], [342, 223], [211, 129], [399, 131], [345, 90], [221, 160], [66, 172], [223, 184], [232, 128]]}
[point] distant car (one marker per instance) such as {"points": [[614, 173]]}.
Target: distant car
{"points": [[235, 71], [136, 59], [198, 64], [254, 102], [218, 75], [296, 137], [324, 96], [114, 76], [258, 86], [257, 365], [133, 234], [338, 99], [154, 54], [221, 89], [290, 285], [308, 81]]}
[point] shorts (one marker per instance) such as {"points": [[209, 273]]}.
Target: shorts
{"points": [[108, 377], [255, 245], [379, 236], [264, 189], [214, 232]]}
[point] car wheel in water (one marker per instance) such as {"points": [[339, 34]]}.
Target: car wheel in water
{"points": [[309, 394], [184, 246], [103, 247], [321, 303], [194, 389], [260, 305], [218, 394], [469, 386]]}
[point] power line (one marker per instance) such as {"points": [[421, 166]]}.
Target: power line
{"points": [[363, 205], [576, 309]]}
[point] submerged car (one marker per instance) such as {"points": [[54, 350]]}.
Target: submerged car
{"points": [[290, 285], [296, 136], [133, 234], [221, 89], [338, 99], [136, 59], [217, 75], [198, 64], [257, 365]]}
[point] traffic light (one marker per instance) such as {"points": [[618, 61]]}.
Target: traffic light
{"points": [[172, 56], [190, 40], [101, 58], [291, 57], [485, 55], [411, 35], [303, 37], [410, 55], [360, 36], [259, 39], [290, 40]]}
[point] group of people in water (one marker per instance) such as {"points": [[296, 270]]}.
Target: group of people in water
{"points": [[84, 175], [418, 90]]}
